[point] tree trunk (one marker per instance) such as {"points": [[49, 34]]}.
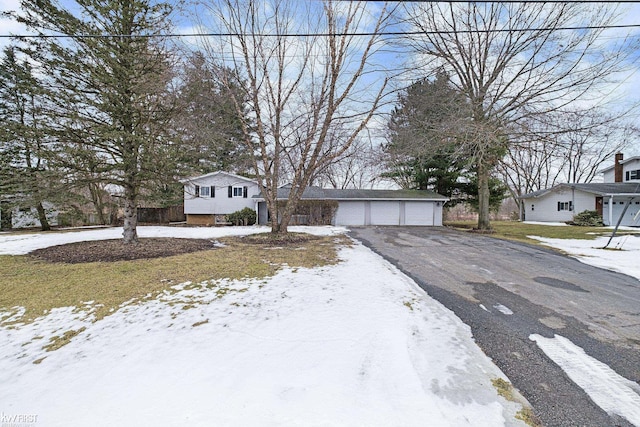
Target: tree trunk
{"points": [[130, 217], [96, 199], [42, 216], [483, 198]]}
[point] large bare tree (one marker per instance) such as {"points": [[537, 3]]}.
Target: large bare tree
{"points": [[311, 86], [514, 64]]}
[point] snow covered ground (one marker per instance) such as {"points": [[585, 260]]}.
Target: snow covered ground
{"points": [[621, 256], [358, 343]]}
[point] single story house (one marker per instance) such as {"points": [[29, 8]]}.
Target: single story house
{"points": [[561, 202], [370, 207], [209, 198]]}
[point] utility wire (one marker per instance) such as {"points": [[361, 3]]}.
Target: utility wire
{"points": [[307, 35]]}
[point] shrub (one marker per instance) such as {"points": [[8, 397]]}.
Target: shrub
{"points": [[246, 216], [588, 219]]}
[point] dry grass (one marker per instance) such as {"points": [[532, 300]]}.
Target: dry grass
{"points": [[506, 390], [40, 286], [518, 231]]}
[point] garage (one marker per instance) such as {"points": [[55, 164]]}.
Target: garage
{"points": [[386, 207], [375, 207]]}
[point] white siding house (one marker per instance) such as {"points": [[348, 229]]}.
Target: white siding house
{"points": [[208, 198], [629, 170], [562, 202]]}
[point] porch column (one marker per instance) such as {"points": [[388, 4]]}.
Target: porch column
{"points": [[611, 210]]}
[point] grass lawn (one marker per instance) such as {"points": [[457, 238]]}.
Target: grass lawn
{"points": [[515, 230], [40, 286]]}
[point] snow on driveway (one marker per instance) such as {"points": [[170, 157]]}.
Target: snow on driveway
{"points": [[357, 343], [610, 391]]}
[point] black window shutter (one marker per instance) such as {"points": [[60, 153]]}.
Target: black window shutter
{"points": [[230, 191], [213, 191], [558, 206], [197, 191], [245, 192]]}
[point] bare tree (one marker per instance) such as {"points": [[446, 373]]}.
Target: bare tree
{"points": [[355, 169], [513, 65], [305, 75], [576, 154]]}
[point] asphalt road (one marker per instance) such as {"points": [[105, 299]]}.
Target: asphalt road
{"points": [[548, 293]]}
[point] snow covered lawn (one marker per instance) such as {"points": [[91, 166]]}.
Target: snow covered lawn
{"points": [[622, 255], [356, 343]]}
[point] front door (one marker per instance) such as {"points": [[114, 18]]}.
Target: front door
{"points": [[599, 205]]}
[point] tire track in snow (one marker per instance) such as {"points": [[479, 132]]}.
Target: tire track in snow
{"points": [[612, 392]]}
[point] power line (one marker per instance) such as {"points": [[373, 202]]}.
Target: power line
{"points": [[307, 35]]}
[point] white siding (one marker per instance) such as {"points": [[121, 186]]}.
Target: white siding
{"points": [[545, 208], [220, 204], [610, 176], [419, 213], [350, 213]]}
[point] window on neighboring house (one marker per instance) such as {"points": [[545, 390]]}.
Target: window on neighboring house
{"points": [[565, 206], [633, 174], [204, 192]]}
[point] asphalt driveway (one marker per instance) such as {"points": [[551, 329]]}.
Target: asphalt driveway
{"points": [[506, 291]]}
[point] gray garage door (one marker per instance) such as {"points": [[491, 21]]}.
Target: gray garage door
{"points": [[350, 213], [418, 213]]}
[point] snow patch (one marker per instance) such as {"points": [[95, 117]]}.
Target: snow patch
{"points": [[503, 309], [336, 345], [612, 392], [590, 252]]}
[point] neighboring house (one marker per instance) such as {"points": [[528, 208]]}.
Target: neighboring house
{"points": [[623, 170], [209, 198], [561, 202], [371, 207], [15, 217]]}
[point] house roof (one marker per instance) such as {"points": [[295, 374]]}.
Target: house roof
{"points": [[622, 162], [318, 193], [196, 178], [599, 189]]}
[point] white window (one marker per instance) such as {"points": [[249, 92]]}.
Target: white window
{"points": [[204, 192], [237, 191]]}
